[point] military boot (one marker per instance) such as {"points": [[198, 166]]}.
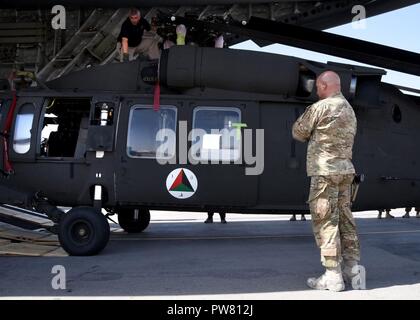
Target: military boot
{"points": [[331, 280]]}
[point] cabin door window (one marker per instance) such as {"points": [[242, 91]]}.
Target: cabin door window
{"points": [[151, 133], [215, 135], [23, 129]]}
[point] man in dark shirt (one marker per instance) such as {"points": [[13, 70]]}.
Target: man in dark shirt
{"points": [[131, 33]]}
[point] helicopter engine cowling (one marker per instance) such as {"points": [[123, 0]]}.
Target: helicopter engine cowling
{"points": [[228, 69]]}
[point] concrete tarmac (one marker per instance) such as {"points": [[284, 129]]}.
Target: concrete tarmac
{"points": [[250, 257]]}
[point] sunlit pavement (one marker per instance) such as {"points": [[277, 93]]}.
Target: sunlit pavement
{"points": [[250, 257]]}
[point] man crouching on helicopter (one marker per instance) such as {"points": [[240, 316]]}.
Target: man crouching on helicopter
{"points": [[330, 126]]}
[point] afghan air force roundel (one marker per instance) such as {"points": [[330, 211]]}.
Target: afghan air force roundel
{"points": [[181, 183]]}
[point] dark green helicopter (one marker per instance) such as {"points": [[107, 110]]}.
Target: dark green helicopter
{"points": [[200, 129]]}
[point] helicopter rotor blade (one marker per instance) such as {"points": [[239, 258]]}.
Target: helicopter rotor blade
{"points": [[319, 41]]}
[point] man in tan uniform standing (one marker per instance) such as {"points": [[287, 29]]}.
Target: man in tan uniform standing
{"points": [[330, 126]]}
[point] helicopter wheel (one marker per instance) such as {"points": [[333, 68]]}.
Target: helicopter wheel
{"points": [[134, 220], [83, 231]]}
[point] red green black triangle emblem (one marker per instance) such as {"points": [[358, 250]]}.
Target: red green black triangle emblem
{"points": [[181, 183]]}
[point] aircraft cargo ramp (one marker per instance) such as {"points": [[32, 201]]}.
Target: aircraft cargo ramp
{"points": [[37, 241], [19, 242], [15, 241]]}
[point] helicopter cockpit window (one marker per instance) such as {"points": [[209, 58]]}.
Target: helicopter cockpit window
{"points": [[23, 126], [64, 127], [152, 134], [215, 136]]}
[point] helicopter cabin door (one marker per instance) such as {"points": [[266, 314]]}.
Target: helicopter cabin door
{"points": [[48, 147], [185, 154]]}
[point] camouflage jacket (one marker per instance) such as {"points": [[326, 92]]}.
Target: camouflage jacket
{"points": [[330, 126]]}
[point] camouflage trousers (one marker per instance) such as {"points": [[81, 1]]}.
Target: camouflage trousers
{"points": [[332, 220]]}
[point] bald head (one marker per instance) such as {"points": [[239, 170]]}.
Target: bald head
{"points": [[328, 83]]}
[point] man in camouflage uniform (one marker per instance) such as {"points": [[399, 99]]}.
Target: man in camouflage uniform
{"points": [[330, 127]]}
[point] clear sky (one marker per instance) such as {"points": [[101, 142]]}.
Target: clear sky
{"points": [[398, 29]]}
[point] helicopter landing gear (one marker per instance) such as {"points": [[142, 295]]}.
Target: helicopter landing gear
{"points": [[134, 220], [83, 231]]}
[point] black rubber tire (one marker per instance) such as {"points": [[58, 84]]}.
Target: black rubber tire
{"points": [[83, 231], [131, 225]]}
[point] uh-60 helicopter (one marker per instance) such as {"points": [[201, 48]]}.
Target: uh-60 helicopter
{"points": [[184, 133]]}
